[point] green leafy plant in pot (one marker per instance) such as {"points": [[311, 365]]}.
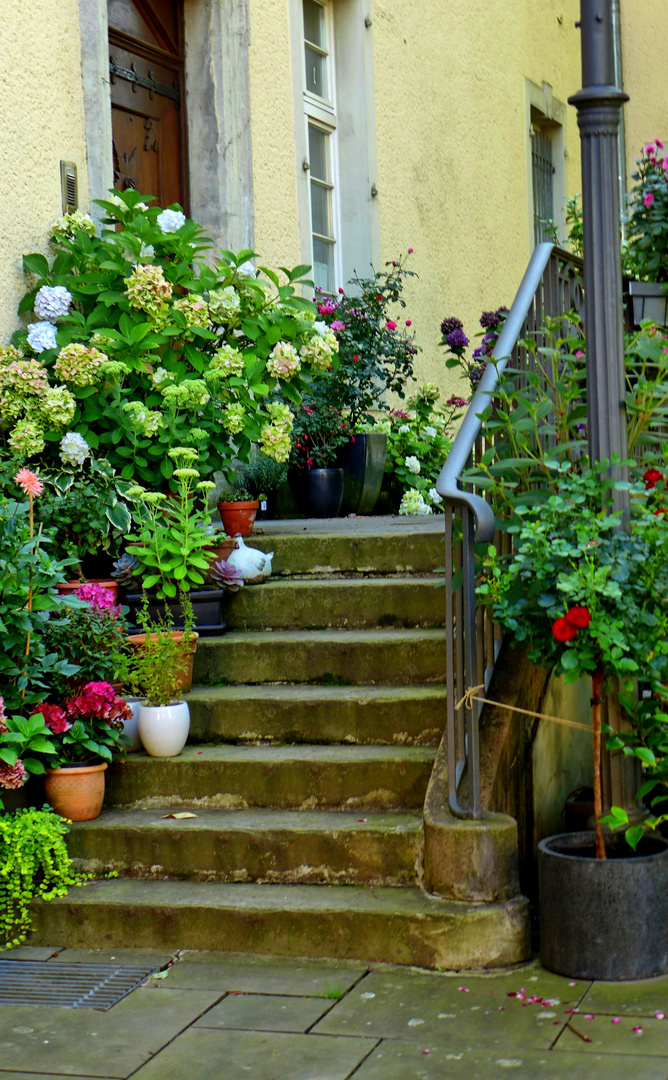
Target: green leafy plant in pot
{"points": [[238, 508], [589, 599]]}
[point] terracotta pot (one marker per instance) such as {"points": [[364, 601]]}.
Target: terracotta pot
{"points": [[76, 791], [186, 672], [238, 517], [221, 550], [66, 587]]}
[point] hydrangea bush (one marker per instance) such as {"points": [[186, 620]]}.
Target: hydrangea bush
{"points": [[139, 345]]}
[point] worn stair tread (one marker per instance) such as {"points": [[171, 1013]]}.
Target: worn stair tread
{"points": [[288, 692], [278, 755], [315, 821], [333, 635]]}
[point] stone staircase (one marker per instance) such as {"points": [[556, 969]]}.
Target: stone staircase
{"points": [[315, 722]]}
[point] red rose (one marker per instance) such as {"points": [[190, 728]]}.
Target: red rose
{"points": [[563, 631], [579, 617], [652, 477]]}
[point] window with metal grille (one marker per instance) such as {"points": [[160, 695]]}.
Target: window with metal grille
{"points": [[542, 174]]}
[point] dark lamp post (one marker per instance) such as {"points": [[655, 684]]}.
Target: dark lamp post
{"points": [[599, 105]]}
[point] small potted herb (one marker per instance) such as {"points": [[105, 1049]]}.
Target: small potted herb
{"points": [[264, 476], [238, 509]]}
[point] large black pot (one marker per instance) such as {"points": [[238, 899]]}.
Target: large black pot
{"points": [[207, 610], [603, 918], [318, 492], [363, 464]]}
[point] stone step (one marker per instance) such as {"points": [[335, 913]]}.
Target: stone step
{"points": [[306, 604], [396, 715], [269, 845], [282, 777], [330, 657], [390, 925], [371, 546]]}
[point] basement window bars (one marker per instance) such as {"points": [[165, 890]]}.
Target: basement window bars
{"points": [[542, 174]]}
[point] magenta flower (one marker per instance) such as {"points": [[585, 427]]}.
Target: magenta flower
{"points": [[649, 199], [391, 325], [337, 326]]}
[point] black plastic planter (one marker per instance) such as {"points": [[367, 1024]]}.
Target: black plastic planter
{"points": [[603, 918], [318, 492], [363, 464], [207, 610]]}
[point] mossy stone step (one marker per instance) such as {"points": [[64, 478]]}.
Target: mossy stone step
{"points": [[358, 547], [365, 715], [391, 925], [293, 604], [284, 777], [264, 845], [397, 657]]}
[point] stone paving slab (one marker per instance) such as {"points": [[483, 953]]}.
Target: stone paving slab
{"points": [[395, 1060], [265, 1012], [413, 1006], [619, 1039], [642, 998], [86, 1042], [30, 952], [121, 957], [206, 1054], [284, 979]]}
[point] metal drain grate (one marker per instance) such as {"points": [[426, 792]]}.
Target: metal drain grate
{"points": [[72, 986]]}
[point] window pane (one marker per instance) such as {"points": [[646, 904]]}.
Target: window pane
{"points": [[318, 149], [323, 264], [314, 23], [316, 72], [321, 203]]}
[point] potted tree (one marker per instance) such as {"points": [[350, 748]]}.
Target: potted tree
{"points": [[589, 598], [315, 478], [645, 253]]}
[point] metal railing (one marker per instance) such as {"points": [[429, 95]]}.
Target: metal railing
{"points": [[552, 286]]}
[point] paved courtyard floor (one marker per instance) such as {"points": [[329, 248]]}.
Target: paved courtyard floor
{"points": [[212, 1016]]}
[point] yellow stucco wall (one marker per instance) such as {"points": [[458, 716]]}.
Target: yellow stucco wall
{"points": [[644, 50], [41, 122], [452, 143]]}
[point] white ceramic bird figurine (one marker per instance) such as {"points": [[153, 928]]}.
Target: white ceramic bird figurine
{"points": [[253, 565]]}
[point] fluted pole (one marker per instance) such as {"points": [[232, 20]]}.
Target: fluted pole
{"points": [[599, 105]]}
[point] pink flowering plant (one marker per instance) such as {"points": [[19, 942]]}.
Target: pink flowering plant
{"points": [[25, 742], [87, 726], [646, 251]]}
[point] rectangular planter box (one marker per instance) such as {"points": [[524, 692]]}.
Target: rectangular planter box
{"points": [[207, 608]]}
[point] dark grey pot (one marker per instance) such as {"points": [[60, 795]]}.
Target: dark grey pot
{"points": [[650, 301], [603, 918], [363, 464], [318, 492]]}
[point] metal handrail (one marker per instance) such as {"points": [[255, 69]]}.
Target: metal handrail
{"points": [[467, 627]]}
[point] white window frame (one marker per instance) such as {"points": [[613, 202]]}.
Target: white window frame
{"points": [[321, 113]]}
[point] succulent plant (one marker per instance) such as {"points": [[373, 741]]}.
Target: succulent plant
{"points": [[124, 568], [226, 576]]}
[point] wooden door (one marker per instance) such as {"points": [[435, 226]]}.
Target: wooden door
{"points": [[146, 60]]}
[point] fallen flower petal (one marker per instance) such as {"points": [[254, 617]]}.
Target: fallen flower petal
{"points": [[637, 1030], [659, 1016]]}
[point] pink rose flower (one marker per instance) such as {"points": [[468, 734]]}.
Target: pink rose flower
{"points": [[391, 325], [649, 199]]}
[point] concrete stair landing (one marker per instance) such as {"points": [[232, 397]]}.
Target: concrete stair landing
{"points": [[315, 723]]}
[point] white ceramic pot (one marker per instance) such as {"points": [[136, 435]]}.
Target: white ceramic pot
{"points": [[130, 727], [163, 729]]}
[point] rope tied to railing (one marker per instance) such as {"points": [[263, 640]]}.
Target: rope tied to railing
{"points": [[471, 695]]}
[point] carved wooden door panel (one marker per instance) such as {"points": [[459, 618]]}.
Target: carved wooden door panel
{"points": [[148, 98]]}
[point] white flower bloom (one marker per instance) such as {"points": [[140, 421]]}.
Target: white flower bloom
{"points": [[413, 503], [73, 449], [141, 206], [147, 251], [161, 375], [116, 200], [171, 220], [42, 336], [430, 431], [246, 269], [412, 464], [434, 496], [320, 327], [404, 429], [52, 302]]}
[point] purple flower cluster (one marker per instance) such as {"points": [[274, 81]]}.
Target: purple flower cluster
{"points": [[491, 320], [448, 325], [457, 339]]}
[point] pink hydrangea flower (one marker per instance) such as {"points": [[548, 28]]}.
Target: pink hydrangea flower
{"points": [[98, 596], [337, 326], [13, 776], [55, 718]]}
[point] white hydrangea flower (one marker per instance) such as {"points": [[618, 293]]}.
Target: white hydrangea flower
{"points": [[434, 496], [413, 503], [42, 336], [320, 327], [73, 449], [404, 429], [52, 302], [171, 220], [430, 431], [161, 375], [141, 206], [412, 464], [246, 269], [147, 251]]}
